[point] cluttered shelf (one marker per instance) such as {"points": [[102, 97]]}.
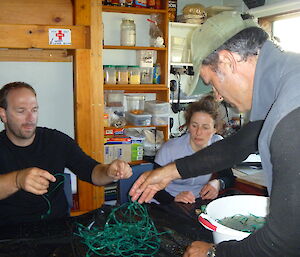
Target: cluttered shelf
{"points": [[136, 126], [136, 87], [133, 10], [135, 47]]}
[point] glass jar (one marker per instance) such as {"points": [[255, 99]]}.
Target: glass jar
{"points": [[122, 74], [109, 74], [134, 75], [128, 32], [135, 103]]}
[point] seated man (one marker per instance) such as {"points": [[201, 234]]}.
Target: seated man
{"points": [[33, 159], [201, 120]]}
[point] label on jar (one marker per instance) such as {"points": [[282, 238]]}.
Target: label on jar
{"points": [[128, 38]]}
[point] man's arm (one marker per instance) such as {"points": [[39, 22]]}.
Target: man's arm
{"points": [[103, 174], [222, 154], [8, 185], [280, 234], [33, 180]]}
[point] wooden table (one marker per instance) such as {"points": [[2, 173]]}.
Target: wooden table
{"points": [[250, 180]]}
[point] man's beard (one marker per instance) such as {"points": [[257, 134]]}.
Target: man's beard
{"points": [[18, 133]]}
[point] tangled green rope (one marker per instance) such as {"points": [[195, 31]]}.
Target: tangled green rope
{"points": [[128, 231]]}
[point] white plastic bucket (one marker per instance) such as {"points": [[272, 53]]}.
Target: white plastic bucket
{"points": [[229, 206]]}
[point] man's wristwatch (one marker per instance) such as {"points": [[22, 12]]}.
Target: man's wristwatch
{"points": [[211, 251], [222, 184]]}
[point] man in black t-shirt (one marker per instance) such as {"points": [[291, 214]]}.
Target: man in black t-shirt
{"points": [[33, 159]]}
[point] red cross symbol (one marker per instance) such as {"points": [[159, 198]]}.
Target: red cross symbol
{"points": [[60, 35]]}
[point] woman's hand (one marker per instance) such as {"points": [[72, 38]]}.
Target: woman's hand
{"points": [[185, 197], [210, 190]]}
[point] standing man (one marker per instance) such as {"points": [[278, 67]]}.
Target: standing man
{"points": [[235, 56], [33, 159]]}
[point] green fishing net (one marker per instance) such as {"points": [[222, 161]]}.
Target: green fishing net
{"points": [[128, 231]]}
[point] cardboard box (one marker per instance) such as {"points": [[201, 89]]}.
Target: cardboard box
{"points": [[113, 131], [137, 150], [118, 147]]}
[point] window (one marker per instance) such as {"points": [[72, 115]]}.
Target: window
{"points": [[286, 32]]}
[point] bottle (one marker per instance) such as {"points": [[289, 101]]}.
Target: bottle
{"points": [[156, 74], [172, 9], [128, 32], [157, 4], [151, 3], [115, 2]]}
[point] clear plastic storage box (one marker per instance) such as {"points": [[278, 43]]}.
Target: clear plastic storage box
{"points": [[160, 119], [157, 107], [138, 119]]}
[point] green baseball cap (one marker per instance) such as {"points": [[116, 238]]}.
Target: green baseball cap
{"points": [[212, 34]]}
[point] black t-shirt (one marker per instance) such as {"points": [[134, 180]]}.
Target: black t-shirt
{"points": [[53, 151]]}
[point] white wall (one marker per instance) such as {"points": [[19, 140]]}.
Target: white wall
{"points": [[53, 83]]}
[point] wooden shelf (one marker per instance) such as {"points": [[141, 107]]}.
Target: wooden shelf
{"points": [[134, 47], [133, 126], [181, 64], [134, 10], [137, 162], [137, 87], [36, 36]]}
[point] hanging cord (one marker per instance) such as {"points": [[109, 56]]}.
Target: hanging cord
{"points": [[46, 196], [128, 231]]}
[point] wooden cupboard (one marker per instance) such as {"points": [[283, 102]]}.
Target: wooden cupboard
{"points": [[25, 26]]}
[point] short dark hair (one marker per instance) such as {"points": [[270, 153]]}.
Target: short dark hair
{"points": [[246, 43], [206, 104], [11, 86]]}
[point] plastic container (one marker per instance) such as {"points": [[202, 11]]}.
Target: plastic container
{"points": [[146, 75], [114, 98], [157, 107], [228, 207], [143, 119], [134, 75], [109, 74], [135, 103], [128, 32], [122, 74], [160, 119]]}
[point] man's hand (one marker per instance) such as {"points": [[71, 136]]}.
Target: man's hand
{"points": [[210, 190], [34, 180], [197, 249], [149, 183], [185, 197], [119, 170]]}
